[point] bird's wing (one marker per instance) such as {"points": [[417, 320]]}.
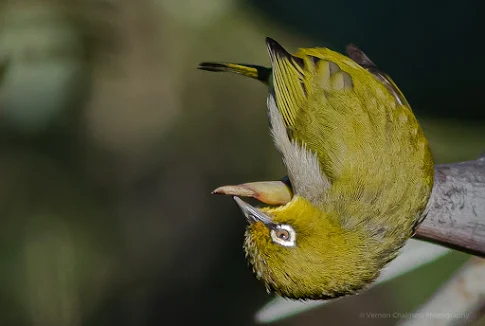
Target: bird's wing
{"points": [[302, 85], [353, 119], [363, 60], [288, 82]]}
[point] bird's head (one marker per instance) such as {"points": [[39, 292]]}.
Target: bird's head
{"points": [[302, 252]]}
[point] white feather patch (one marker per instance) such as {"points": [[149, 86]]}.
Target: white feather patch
{"points": [[303, 165]]}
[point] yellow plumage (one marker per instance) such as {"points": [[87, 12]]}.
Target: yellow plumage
{"points": [[360, 168]]}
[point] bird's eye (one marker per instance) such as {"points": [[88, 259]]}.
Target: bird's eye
{"points": [[284, 234]]}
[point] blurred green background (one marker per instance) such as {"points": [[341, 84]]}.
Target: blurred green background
{"points": [[111, 141]]}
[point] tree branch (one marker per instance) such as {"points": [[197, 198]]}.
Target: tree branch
{"points": [[455, 215]]}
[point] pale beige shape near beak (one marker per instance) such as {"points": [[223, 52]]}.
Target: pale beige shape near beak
{"points": [[268, 192]]}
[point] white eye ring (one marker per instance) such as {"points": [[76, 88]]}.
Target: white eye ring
{"points": [[284, 235]]}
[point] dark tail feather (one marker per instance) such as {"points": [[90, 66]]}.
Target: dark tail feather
{"points": [[252, 71]]}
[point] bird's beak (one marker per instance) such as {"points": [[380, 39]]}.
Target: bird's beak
{"points": [[252, 214]]}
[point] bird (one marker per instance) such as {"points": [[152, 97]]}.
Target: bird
{"points": [[360, 173]]}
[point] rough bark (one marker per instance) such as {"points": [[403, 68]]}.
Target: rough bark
{"points": [[455, 215]]}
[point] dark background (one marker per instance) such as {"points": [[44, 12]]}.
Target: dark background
{"points": [[111, 141]]}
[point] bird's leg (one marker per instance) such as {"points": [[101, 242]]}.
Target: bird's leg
{"points": [[268, 192]]}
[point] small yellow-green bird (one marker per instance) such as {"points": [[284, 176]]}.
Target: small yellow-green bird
{"points": [[359, 168]]}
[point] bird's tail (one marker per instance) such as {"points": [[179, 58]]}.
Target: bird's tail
{"points": [[252, 71]]}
